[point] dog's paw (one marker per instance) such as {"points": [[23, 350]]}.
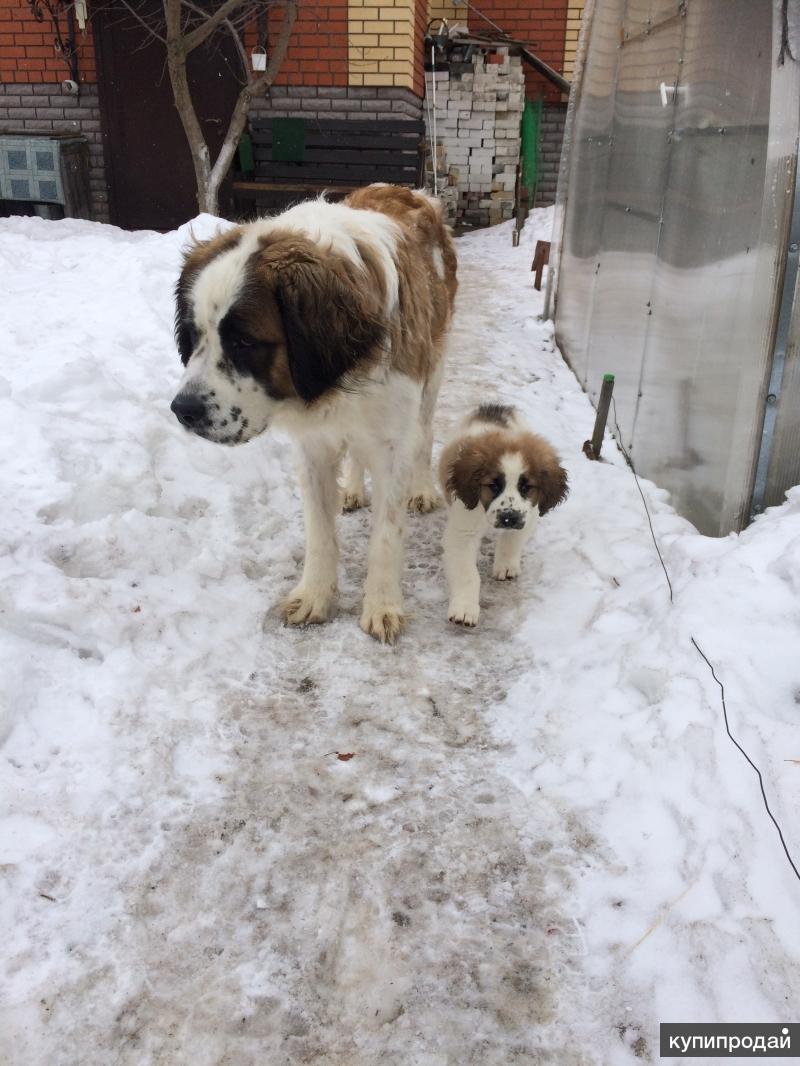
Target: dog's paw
{"points": [[304, 607], [463, 613], [382, 621], [505, 571], [424, 501], [354, 501]]}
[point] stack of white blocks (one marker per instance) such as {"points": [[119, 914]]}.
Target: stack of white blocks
{"points": [[478, 114]]}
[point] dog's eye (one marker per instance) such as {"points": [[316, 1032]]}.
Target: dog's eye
{"points": [[242, 342], [524, 486], [496, 486]]}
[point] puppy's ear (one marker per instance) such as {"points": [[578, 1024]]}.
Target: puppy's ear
{"points": [[331, 320], [553, 485], [465, 474]]}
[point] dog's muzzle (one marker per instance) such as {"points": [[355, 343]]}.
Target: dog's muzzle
{"points": [[509, 520]]}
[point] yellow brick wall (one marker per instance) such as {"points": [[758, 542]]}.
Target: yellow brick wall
{"points": [[574, 15], [381, 42], [446, 9]]}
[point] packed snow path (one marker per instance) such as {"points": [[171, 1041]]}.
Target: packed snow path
{"points": [[543, 843]]}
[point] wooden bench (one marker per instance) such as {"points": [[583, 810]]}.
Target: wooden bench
{"points": [[297, 155]]}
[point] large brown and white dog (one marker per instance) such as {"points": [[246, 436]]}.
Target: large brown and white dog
{"points": [[496, 475], [328, 320]]}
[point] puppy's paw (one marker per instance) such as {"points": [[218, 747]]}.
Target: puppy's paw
{"points": [[382, 621], [463, 612], [354, 501], [424, 501], [306, 607], [505, 571]]}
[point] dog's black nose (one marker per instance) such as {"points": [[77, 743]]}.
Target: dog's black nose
{"points": [[188, 409], [510, 519]]}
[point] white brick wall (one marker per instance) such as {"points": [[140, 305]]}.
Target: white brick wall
{"points": [[478, 132]]}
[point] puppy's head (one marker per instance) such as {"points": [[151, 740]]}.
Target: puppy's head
{"points": [[510, 475], [266, 319]]}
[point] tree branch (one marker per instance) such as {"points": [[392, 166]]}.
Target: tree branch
{"points": [[253, 88], [205, 29], [142, 22], [237, 41]]}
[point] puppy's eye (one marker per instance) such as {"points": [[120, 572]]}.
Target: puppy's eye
{"points": [[524, 486], [496, 486]]}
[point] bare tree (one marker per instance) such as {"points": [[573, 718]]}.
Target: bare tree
{"points": [[186, 25]]}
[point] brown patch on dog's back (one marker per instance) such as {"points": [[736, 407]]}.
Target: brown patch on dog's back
{"points": [[426, 294]]}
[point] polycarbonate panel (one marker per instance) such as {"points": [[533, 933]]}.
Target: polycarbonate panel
{"points": [[784, 464], [589, 148], [637, 174], [674, 225], [704, 359]]}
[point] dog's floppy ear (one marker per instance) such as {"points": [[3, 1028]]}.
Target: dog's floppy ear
{"points": [[330, 317], [553, 485], [184, 337], [465, 474]]}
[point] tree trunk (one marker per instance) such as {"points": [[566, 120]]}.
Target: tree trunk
{"points": [[209, 178]]}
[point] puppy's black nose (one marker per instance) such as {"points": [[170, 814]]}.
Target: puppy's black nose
{"points": [[510, 519], [188, 409]]}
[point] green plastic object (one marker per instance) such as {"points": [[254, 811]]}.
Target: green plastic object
{"points": [[288, 140], [529, 151], [247, 163]]}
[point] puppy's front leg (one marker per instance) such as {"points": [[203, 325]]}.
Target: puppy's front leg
{"points": [[312, 600], [508, 551], [462, 538]]}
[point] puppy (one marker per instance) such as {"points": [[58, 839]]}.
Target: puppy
{"points": [[328, 321], [496, 474]]}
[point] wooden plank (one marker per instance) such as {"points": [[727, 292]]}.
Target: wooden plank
{"points": [[326, 172], [263, 157], [251, 189], [352, 125], [382, 141]]}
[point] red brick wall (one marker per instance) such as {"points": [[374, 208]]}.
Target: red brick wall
{"points": [[317, 52], [27, 53], [541, 24]]}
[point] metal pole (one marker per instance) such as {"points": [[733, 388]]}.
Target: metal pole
{"points": [[603, 405]]}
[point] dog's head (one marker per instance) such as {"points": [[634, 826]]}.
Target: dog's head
{"points": [[264, 318], [510, 475]]}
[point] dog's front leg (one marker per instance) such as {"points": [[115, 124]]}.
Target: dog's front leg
{"points": [[462, 537], [312, 600], [382, 615]]}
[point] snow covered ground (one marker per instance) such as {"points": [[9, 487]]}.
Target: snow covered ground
{"points": [[543, 844]]}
